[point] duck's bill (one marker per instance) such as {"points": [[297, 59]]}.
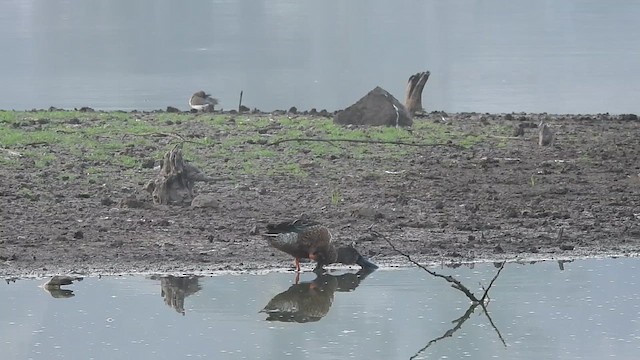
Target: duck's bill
{"points": [[366, 264]]}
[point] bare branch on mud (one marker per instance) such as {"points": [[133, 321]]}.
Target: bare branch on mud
{"points": [[162, 134], [506, 137], [364, 142], [37, 143]]}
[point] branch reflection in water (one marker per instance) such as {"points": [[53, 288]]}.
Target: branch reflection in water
{"points": [[174, 289], [310, 301]]}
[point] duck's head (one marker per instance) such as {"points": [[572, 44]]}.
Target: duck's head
{"points": [[348, 255], [324, 255], [201, 94]]}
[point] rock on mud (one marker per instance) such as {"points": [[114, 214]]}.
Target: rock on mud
{"points": [[377, 108]]}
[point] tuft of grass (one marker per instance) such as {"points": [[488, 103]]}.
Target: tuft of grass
{"points": [[336, 197]]}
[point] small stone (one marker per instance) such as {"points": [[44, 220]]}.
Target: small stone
{"points": [[566, 247], [133, 203], [163, 222], [148, 163], [78, 235], [205, 201]]}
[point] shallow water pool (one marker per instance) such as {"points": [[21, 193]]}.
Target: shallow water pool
{"points": [[588, 310]]}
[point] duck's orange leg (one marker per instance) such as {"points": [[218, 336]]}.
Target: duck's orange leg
{"points": [[297, 261]]}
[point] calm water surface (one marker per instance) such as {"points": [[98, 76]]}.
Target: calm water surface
{"points": [[589, 310], [573, 56]]}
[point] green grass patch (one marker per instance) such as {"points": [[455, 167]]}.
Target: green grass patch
{"points": [[219, 144]]}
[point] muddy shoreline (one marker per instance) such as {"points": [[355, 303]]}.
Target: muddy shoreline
{"points": [[502, 198]]}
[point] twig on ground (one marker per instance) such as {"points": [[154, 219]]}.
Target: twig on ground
{"points": [[162, 134], [362, 141]]}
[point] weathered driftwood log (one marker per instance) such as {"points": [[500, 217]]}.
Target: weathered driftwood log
{"points": [[413, 98], [545, 135], [174, 184]]}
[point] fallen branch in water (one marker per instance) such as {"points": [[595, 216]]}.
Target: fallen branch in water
{"points": [[362, 141], [455, 283]]}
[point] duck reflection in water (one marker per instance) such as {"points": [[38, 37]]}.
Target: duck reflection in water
{"points": [[310, 301], [53, 286], [174, 289]]}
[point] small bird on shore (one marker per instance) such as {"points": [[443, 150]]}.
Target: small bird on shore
{"points": [[202, 101], [305, 239]]}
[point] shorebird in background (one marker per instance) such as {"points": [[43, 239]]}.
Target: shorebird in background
{"points": [[202, 101]]}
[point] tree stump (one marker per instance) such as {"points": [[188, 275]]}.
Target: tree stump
{"points": [[174, 184], [415, 85]]}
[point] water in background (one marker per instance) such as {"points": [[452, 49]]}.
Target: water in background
{"points": [[586, 309], [574, 56]]}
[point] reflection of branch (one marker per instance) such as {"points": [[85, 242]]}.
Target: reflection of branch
{"points": [[493, 325], [459, 321]]}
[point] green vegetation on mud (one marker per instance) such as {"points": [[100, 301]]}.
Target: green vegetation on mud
{"points": [[233, 145]]}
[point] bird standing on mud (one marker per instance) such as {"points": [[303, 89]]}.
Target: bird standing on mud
{"points": [[202, 101], [304, 239]]}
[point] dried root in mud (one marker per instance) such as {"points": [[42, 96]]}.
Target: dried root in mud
{"points": [[545, 135], [413, 97], [174, 184]]}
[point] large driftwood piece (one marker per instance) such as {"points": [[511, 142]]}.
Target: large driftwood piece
{"points": [[413, 98], [174, 184]]}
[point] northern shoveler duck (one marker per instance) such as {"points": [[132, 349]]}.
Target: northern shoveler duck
{"points": [[305, 239], [202, 101]]}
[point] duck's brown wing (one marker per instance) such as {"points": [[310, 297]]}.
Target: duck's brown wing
{"points": [[289, 243], [298, 240]]}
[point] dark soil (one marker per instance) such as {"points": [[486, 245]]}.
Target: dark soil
{"points": [[517, 201]]}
